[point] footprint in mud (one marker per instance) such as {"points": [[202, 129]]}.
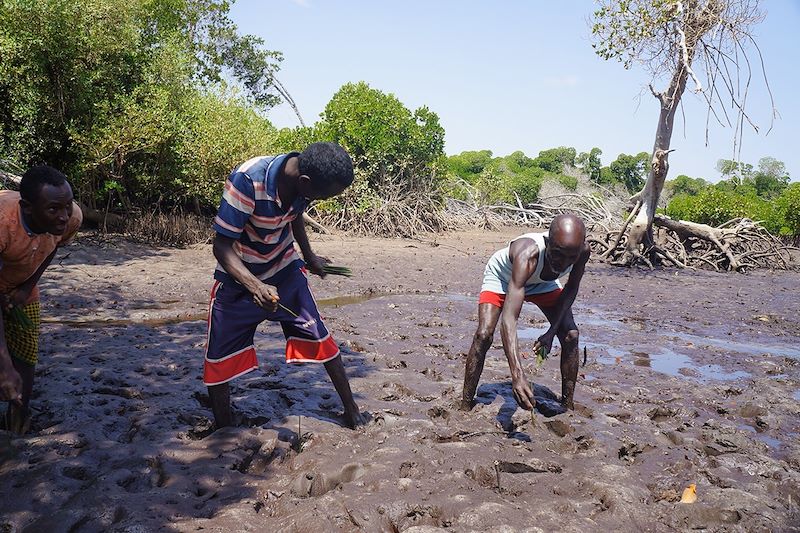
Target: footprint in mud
{"points": [[661, 413], [79, 473], [395, 391], [142, 478], [314, 484], [438, 412], [410, 469], [432, 374], [201, 428], [260, 457]]}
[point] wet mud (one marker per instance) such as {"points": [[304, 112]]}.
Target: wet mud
{"points": [[690, 378]]}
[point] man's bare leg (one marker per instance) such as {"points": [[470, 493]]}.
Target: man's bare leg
{"points": [[569, 366], [220, 396], [352, 417], [568, 336], [488, 315]]}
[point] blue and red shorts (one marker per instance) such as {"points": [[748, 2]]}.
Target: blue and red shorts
{"points": [[233, 317], [545, 299]]}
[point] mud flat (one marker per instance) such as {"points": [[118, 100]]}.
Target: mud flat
{"points": [[689, 378]]}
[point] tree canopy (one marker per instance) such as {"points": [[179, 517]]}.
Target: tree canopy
{"points": [[107, 90]]}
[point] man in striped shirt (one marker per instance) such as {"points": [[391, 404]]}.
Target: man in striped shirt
{"points": [[260, 276]]}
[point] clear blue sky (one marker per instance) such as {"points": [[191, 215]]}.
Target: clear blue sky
{"points": [[516, 75]]}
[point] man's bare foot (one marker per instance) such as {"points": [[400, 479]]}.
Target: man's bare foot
{"points": [[466, 405], [568, 403], [353, 418], [18, 419]]}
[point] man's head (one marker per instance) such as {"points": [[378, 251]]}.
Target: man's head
{"points": [[565, 241], [46, 200], [325, 170]]}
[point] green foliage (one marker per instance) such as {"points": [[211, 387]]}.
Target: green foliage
{"points": [[555, 159], [734, 169], [762, 194], [630, 170], [214, 142], [788, 207], [629, 30], [771, 177], [569, 182], [108, 91], [715, 206], [469, 165], [381, 135], [590, 163], [396, 153], [503, 179], [685, 185]]}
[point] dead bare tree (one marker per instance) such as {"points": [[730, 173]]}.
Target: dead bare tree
{"points": [[288, 99], [675, 40]]}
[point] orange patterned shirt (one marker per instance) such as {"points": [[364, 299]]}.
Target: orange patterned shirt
{"points": [[23, 252]]}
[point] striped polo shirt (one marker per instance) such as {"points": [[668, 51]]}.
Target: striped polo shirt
{"points": [[251, 212]]}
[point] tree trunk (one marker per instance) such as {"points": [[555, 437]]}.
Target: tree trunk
{"points": [[641, 229]]}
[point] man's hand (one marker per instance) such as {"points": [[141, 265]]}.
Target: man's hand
{"points": [[545, 341], [16, 298], [266, 296], [10, 384], [523, 394], [316, 265]]}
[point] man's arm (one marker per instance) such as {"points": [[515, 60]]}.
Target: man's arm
{"points": [[23, 291], [565, 299], [10, 381], [314, 262], [265, 295], [524, 256]]}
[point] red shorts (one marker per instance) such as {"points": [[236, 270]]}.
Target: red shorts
{"points": [[546, 299]]}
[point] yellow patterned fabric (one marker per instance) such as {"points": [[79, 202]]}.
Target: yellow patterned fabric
{"points": [[22, 341]]}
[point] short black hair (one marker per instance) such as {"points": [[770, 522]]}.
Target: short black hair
{"points": [[326, 163], [36, 177]]}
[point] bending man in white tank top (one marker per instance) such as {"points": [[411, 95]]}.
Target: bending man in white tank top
{"points": [[527, 270]]}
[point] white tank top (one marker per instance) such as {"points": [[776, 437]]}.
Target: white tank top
{"points": [[497, 275]]}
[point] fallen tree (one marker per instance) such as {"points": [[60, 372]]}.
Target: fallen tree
{"points": [[738, 245]]}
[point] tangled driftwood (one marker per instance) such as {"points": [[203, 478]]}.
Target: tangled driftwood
{"points": [[738, 245], [592, 208]]}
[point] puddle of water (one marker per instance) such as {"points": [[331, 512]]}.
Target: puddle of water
{"points": [[772, 442], [352, 299], [596, 321], [797, 395], [669, 362], [742, 347], [666, 362], [116, 322], [529, 334], [336, 301]]}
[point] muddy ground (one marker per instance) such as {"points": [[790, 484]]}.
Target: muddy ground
{"points": [[689, 378]]}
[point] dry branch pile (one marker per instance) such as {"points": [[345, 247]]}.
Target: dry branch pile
{"points": [[592, 208], [394, 216], [738, 245]]}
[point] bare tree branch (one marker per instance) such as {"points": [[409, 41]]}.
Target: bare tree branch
{"points": [[288, 99]]}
